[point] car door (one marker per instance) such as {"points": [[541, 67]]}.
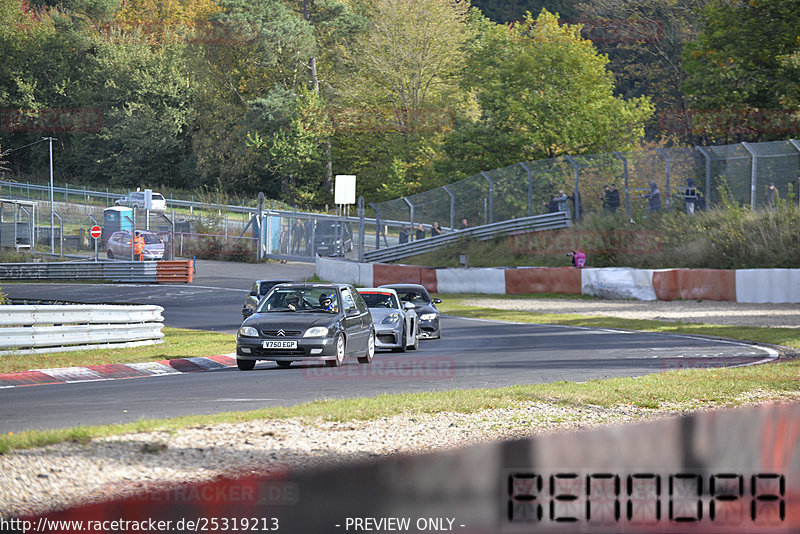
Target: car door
{"points": [[354, 322]]}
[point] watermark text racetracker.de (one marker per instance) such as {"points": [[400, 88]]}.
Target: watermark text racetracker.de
{"points": [[385, 367], [633, 242], [55, 120]]}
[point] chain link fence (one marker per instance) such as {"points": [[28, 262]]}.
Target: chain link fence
{"points": [[740, 173]]}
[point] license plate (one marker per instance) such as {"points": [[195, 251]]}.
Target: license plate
{"points": [[280, 344]]}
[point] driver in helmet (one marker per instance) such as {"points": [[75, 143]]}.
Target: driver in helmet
{"points": [[326, 302]]}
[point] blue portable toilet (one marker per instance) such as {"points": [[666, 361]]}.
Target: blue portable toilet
{"points": [[115, 219]]}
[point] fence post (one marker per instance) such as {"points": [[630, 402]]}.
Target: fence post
{"points": [[667, 171], [753, 169], [707, 158], [377, 226], [411, 215], [491, 196], [361, 237], [576, 194], [625, 175], [530, 189], [452, 207]]}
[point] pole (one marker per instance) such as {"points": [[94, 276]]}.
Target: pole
{"points": [[52, 216]]}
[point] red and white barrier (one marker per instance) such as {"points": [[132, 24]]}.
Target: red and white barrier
{"points": [[746, 285]]}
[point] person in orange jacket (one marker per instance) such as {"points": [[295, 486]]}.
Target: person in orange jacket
{"points": [[138, 247]]}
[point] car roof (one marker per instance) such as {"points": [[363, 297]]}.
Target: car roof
{"points": [[276, 280], [297, 285], [404, 286], [376, 289]]}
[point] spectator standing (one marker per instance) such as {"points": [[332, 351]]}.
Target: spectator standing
{"points": [[578, 259], [606, 198], [465, 225], [435, 230], [653, 197], [562, 201], [308, 227], [403, 238], [773, 196], [613, 198], [420, 233]]}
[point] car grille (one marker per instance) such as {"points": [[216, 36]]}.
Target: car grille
{"points": [[274, 333]]}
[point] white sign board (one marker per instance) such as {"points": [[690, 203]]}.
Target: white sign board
{"points": [[345, 189], [148, 199]]}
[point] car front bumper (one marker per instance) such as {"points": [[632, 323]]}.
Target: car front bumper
{"points": [[251, 348], [388, 338], [430, 329]]}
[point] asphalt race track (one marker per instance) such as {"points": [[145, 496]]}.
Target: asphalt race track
{"points": [[472, 354]]}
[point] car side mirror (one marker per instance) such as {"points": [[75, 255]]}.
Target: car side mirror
{"points": [[437, 301], [247, 312], [253, 293], [352, 311], [408, 306]]}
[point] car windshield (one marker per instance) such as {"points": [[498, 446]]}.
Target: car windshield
{"points": [[413, 295], [300, 299], [151, 239], [156, 196], [379, 299]]}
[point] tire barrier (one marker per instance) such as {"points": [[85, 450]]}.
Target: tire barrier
{"points": [[618, 283], [768, 285], [746, 285], [34, 329], [492, 281], [106, 271], [695, 284], [670, 475], [543, 280]]}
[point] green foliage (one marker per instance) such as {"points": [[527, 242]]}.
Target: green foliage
{"points": [[743, 59], [543, 92]]}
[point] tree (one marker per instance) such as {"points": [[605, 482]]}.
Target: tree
{"points": [[543, 92], [744, 62]]}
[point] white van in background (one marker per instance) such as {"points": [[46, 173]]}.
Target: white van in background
{"points": [[140, 200]]}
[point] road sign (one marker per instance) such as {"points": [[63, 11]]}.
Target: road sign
{"points": [[96, 231]]}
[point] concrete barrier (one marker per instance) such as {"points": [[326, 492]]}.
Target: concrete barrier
{"points": [[491, 281], [618, 283], [345, 272], [695, 284], [543, 280], [724, 471], [768, 285], [383, 273]]}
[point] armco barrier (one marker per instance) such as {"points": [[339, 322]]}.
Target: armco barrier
{"points": [[734, 471], [543, 280], [695, 284], [618, 283], [492, 281], [30, 329], [768, 285], [111, 271]]}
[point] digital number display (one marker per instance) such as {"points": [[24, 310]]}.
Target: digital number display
{"points": [[625, 501]]}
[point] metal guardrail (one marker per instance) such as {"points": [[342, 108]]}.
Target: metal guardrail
{"points": [[32, 329], [111, 271], [548, 221]]}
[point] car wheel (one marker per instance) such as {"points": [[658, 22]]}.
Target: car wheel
{"points": [[341, 346], [415, 346], [367, 358], [245, 365], [110, 255], [403, 343], [284, 365]]}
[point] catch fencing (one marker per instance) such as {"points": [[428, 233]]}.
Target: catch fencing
{"points": [[739, 173], [33, 329]]}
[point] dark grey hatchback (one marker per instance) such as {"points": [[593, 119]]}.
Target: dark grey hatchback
{"points": [[307, 322]]}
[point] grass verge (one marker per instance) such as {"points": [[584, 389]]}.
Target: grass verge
{"points": [[671, 390], [178, 343]]}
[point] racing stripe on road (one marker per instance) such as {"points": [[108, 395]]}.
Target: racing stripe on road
{"points": [[115, 371]]}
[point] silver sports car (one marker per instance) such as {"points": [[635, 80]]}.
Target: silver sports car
{"points": [[396, 325]]}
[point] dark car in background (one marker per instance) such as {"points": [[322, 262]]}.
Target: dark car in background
{"points": [[333, 238], [295, 322], [429, 323], [396, 324], [258, 290]]}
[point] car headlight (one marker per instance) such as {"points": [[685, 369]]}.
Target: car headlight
{"points": [[316, 331], [248, 331], [427, 317], [391, 318]]}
